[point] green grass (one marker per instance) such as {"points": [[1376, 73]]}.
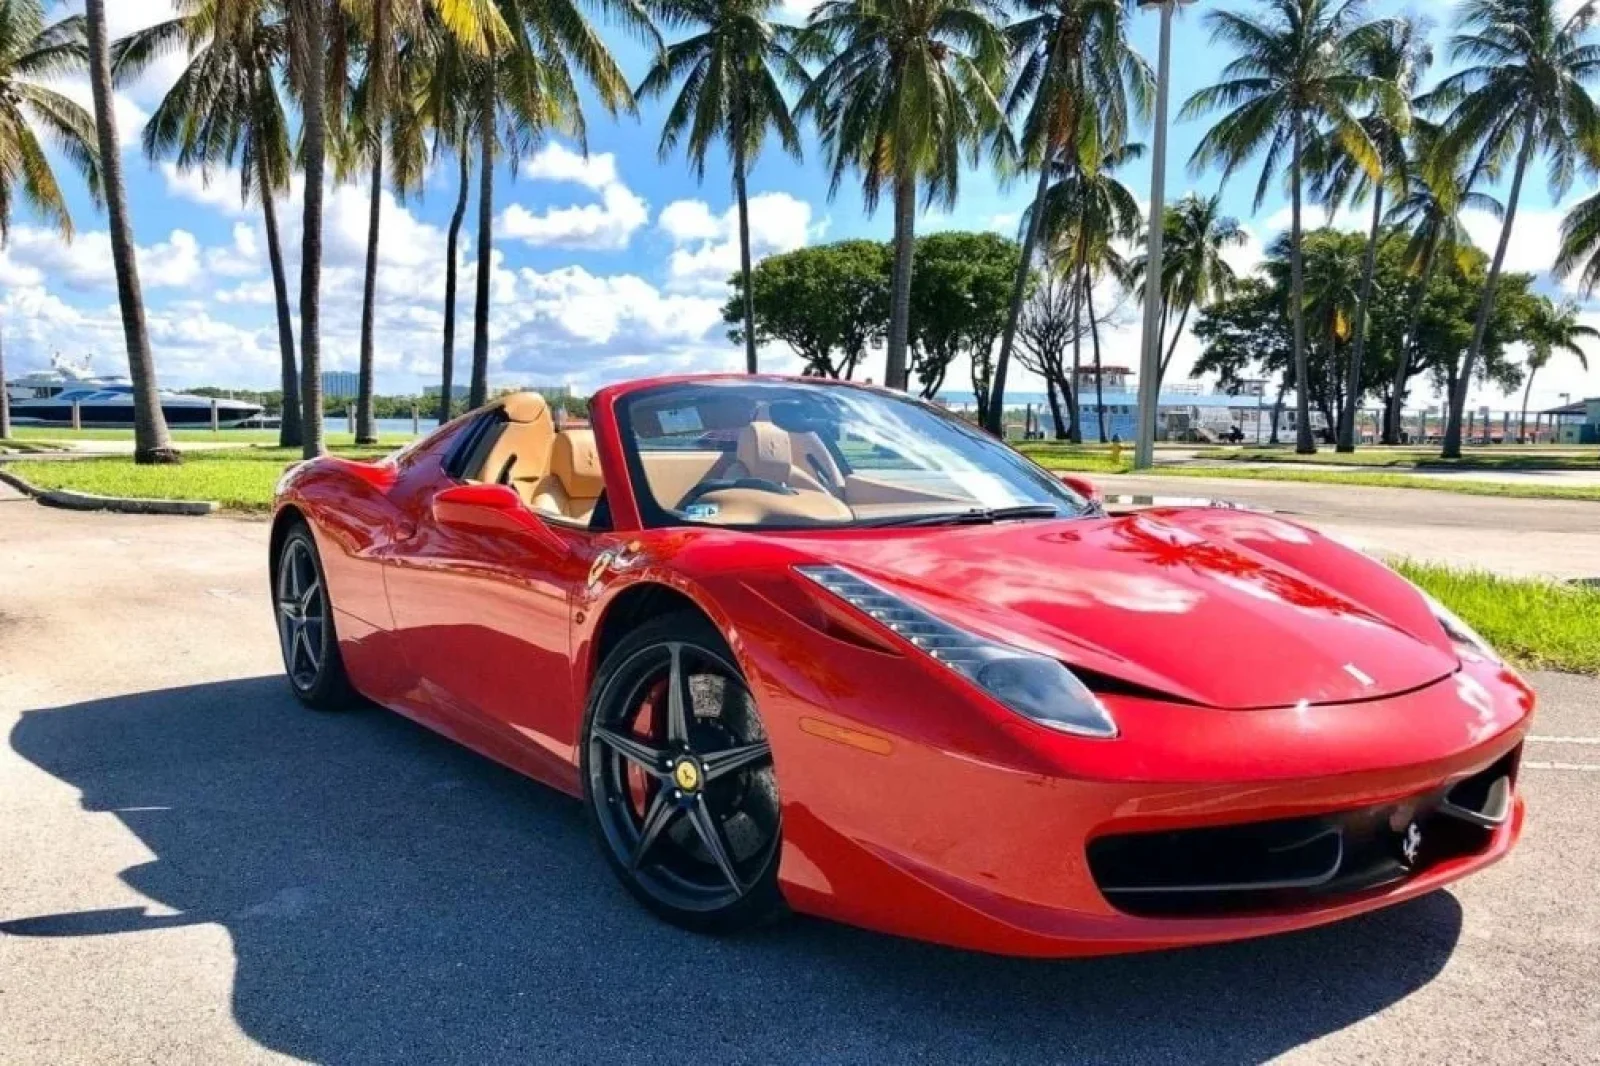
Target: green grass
{"points": [[1537, 624], [238, 479], [1090, 463], [57, 436], [1508, 459]]}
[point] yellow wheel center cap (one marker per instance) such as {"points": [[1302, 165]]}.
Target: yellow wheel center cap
{"points": [[687, 775]]}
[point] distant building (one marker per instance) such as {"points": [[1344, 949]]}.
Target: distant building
{"points": [[553, 394], [340, 384], [1576, 423]]}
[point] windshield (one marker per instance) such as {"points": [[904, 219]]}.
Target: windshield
{"points": [[761, 454]]}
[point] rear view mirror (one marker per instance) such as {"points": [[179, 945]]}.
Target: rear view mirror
{"points": [[1085, 488]]}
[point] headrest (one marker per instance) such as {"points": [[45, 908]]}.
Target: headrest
{"points": [[526, 407], [576, 464], [765, 451]]}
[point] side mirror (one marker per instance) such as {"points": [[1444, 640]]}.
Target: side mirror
{"points": [[1085, 488], [481, 507]]}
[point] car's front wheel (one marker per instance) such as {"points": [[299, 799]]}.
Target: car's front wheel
{"points": [[306, 632], [679, 779]]}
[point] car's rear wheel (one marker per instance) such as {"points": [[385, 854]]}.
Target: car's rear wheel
{"points": [[679, 778], [306, 634]]}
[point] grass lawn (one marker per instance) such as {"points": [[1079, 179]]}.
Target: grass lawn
{"points": [[1420, 459], [55, 435], [1089, 463], [1537, 624], [239, 479]]}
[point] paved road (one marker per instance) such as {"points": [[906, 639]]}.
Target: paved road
{"points": [[197, 871], [1551, 538]]}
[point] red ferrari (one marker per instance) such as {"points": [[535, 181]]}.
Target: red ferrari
{"points": [[814, 646]]}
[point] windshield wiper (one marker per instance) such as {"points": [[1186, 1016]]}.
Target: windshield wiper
{"points": [[980, 516]]}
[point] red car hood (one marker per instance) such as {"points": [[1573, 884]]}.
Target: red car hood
{"points": [[1202, 606]]}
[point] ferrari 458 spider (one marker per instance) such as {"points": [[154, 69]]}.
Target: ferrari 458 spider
{"points": [[814, 646]]}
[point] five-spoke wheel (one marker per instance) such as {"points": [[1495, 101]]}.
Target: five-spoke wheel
{"points": [[305, 624], [679, 777]]}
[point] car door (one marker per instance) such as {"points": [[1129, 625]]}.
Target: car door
{"points": [[482, 601]]}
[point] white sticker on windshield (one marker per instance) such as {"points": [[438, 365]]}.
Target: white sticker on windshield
{"points": [[680, 420]]}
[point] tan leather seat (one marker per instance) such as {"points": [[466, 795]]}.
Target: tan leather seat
{"points": [[574, 484], [767, 452], [521, 454], [812, 456]]}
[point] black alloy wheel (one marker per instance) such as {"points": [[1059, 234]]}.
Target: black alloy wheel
{"points": [[679, 779], [306, 632]]}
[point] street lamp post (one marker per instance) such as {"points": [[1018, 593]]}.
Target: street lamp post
{"points": [[1150, 361]]}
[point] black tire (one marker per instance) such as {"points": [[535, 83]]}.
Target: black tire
{"points": [[303, 613], [729, 788]]}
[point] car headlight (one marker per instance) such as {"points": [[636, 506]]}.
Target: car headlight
{"points": [[1035, 686], [1460, 634]]}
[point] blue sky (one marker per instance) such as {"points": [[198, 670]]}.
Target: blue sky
{"points": [[606, 267]]}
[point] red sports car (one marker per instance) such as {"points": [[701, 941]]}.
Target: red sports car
{"points": [[822, 647]]}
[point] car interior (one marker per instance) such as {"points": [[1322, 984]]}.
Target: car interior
{"points": [[749, 468], [555, 470]]}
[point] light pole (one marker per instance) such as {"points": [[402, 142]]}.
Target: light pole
{"points": [[1150, 361]]}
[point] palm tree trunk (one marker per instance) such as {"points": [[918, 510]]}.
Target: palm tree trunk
{"points": [[366, 426], [1522, 427], [1030, 243], [1305, 444], [151, 441], [1458, 395], [1077, 364], [1402, 371], [480, 325], [289, 433], [1099, 380], [314, 132], [897, 372], [463, 187], [1172, 349], [742, 192], [1358, 354]]}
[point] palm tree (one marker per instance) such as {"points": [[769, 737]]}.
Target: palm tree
{"points": [[31, 52], [1553, 328], [1086, 212], [732, 76], [1430, 211], [392, 30], [1525, 94], [442, 106], [309, 24], [1075, 77], [151, 441], [905, 89], [527, 90], [1398, 55], [224, 109], [1195, 269], [1294, 79]]}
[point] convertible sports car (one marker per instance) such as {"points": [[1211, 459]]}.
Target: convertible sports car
{"points": [[821, 647]]}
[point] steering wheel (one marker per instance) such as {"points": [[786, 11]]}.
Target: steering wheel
{"points": [[756, 484]]}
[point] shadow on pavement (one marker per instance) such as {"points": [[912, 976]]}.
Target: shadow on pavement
{"points": [[393, 897]]}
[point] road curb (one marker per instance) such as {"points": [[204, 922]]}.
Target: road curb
{"points": [[83, 501]]}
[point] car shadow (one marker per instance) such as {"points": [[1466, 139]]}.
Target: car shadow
{"points": [[391, 896]]}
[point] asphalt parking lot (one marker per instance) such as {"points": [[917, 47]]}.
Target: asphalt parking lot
{"points": [[197, 871]]}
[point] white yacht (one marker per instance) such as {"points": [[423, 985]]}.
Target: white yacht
{"points": [[46, 398]]}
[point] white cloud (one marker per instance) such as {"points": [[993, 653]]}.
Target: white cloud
{"points": [[128, 116], [606, 226], [556, 162], [85, 263], [217, 189], [708, 244]]}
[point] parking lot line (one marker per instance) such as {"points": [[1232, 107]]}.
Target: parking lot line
{"points": [[1565, 740], [1578, 767]]}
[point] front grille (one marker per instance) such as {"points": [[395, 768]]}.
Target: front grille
{"points": [[1296, 862]]}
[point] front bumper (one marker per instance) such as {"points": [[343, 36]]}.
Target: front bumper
{"points": [[947, 841]]}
